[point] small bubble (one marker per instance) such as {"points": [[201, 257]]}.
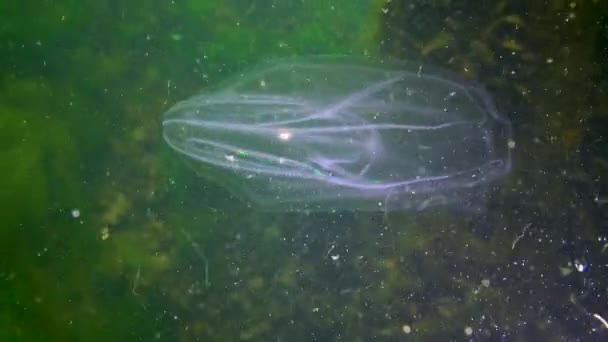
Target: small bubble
{"points": [[406, 329], [468, 331]]}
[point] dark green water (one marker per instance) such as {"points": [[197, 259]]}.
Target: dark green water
{"points": [[106, 235]]}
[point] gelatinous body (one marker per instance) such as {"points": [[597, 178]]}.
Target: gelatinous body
{"points": [[343, 133]]}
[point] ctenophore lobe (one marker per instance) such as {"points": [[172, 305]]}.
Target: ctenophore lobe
{"points": [[329, 133]]}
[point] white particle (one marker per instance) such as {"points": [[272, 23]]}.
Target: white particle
{"points": [[105, 233], [75, 213]]}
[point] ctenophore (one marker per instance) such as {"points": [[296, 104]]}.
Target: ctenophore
{"points": [[334, 133]]}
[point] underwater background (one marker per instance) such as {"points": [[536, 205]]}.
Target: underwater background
{"points": [[105, 234]]}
